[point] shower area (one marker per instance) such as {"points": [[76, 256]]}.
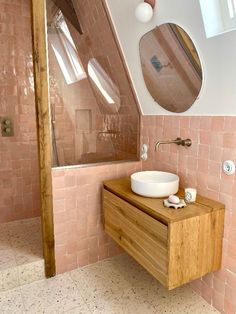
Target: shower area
{"points": [[21, 254], [94, 117]]}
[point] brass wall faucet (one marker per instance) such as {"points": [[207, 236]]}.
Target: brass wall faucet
{"points": [[178, 141]]}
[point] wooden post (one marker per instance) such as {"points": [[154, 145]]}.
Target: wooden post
{"points": [[151, 2], [44, 130]]}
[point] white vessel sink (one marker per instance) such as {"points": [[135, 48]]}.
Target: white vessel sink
{"points": [[154, 183]]}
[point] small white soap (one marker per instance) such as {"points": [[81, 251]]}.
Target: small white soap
{"points": [[173, 199]]}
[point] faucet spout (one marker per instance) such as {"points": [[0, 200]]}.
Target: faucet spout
{"points": [[177, 141]]}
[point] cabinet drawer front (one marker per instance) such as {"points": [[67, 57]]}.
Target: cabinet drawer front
{"points": [[143, 237]]}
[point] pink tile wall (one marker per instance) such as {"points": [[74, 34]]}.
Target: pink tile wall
{"points": [[79, 232], [214, 140], [98, 42], [73, 145], [19, 178]]}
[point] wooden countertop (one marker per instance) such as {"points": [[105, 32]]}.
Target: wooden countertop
{"points": [[154, 206]]}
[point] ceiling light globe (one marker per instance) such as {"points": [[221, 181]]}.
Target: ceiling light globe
{"points": [[144, 12]]}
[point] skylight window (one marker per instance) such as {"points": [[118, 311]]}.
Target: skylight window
{"points": [[65, 51], [95, 76], [64, 28], [62, 65], [219, 16]]}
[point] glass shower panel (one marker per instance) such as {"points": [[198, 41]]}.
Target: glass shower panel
{"points": [[89, 118]]}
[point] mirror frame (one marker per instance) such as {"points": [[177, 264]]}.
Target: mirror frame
{"points": [[169, 58]]}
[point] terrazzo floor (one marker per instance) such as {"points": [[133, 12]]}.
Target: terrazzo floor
{"points": [[114, 286], [21, 259]]}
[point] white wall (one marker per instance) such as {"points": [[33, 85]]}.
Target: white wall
{"points": [[218, 54], [211, 11]]}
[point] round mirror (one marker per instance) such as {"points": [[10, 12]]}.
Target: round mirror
{"points": [[171, 67]]}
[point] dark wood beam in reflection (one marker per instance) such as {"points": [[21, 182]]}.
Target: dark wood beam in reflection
{"points": [[178, 65], [67, 9], [188, 47]]}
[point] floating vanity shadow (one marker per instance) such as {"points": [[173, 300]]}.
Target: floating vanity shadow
{"points": [[175, 245]]}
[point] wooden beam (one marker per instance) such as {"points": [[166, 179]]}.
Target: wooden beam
{"points": [[44, 131], [67, 9], [151, 2]]}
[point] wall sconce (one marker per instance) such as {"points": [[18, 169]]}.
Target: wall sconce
{"points": [[144, 11]]}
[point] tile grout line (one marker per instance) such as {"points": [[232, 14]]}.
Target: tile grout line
{"points": [[77, 288], [21, 293]]}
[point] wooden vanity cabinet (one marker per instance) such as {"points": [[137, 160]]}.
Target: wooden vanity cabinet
{"points": [[175, 246]]}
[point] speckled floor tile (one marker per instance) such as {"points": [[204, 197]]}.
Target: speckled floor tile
{"points": [[120, 286], [28, 254], [114, 286], [180, 300], [25, 232], [35, 222], [136, 274], [31, 272], [127, 301], [54, 295], [21, 257], [9, 279], [4, 237], [7, 259], [83, 309], [99, 279], [22, 239], [11, 302]]}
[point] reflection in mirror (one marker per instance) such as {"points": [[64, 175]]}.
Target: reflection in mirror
{"points": [[171, 67], [94, 117], [106, 91], [219, 16]]}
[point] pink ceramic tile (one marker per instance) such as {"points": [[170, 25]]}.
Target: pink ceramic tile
{"points": [[214, 140], [230, 125], [231, 280], [208, 279], [213, 183], [234, 219], [59, 182], [59, 228], [203, 151], [205, 137], [18, 158], [219, 285], [205, 123], [207, 292], [70, 202], [70, 180], [194, 123], [203, 165], [229, 308], [230, 294], [218, 301], [229, 140], [60, 217], [82, 258], [217, 124], [231, 249], [197, 285], [103, 252], [78, 216]]}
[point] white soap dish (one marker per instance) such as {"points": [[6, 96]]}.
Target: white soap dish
{"points": [[181, 204]]}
